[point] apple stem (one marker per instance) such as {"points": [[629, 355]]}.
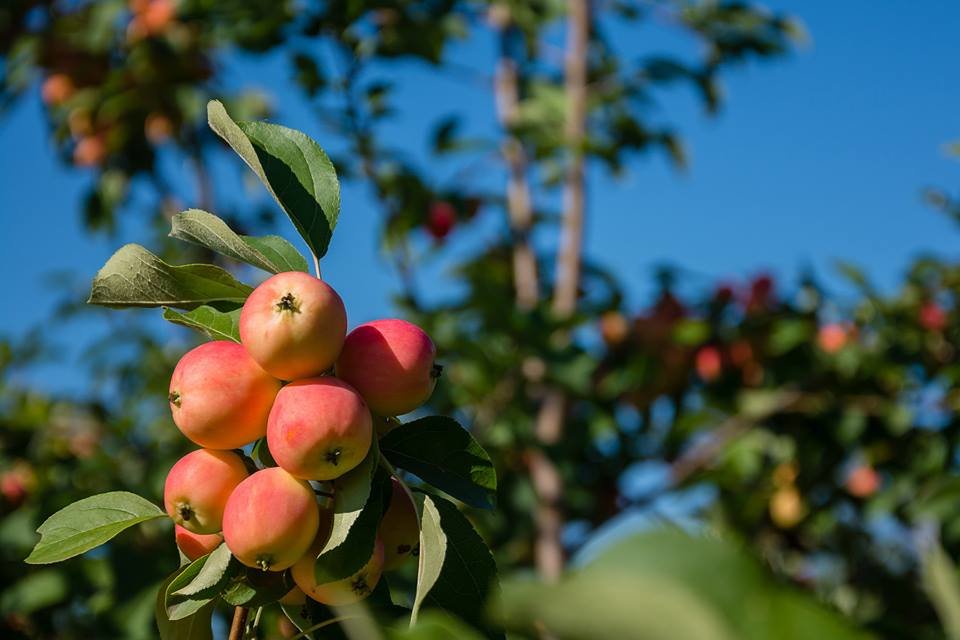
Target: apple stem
{"points": [[316, 265]]}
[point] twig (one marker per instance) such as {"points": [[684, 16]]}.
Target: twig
{"points": [[239, 622], [317, 627], [704, 453]]}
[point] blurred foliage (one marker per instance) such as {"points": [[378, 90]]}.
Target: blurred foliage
{"points": [[819, 431]]}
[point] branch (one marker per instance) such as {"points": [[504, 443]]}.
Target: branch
{"points": [[239, 622], [548, 483], [519, 209], [704, 453], [575, 87]]}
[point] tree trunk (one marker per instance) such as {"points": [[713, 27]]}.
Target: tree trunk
{"points": [[546, 478], [519, 206]]}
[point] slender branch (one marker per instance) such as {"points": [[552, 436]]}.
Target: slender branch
{"points": [[546, 478], [256, 622], [239, 622], [705, 452], [519, 208], [575, 87], [326, 623]]}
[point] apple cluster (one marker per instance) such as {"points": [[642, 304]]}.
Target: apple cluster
{"points": [[315, 392]]}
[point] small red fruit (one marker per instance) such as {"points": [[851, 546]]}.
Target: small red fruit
{"points": [[761, 293], [614, 328], [198, 486], [933, 317], [220, 397], [441, 219], [294, 597], [863, 481], [342, 592], [293, 325], [709, 363], [391, 364], [158, 15], [832, 337], [194, 545], [57, 89], [157, 128], [399, 530], [270, 520], [319, 428], [17, 483], [90, 151]]}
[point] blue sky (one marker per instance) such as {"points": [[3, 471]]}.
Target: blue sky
{"points": [[815, 157]]}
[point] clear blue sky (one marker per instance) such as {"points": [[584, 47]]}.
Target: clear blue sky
{"points": [[815, 157]]}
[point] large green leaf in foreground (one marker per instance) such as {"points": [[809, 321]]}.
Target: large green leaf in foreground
{"points": [[134, 277], [270, 253], [292, 167], [88, 523]]}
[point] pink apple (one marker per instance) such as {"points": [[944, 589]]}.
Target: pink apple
{"points": [[198, 486], [319, 428], [391, 364], [220, 397], [270, 520], [293, 325]]}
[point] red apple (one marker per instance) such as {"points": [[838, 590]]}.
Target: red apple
{"points": [[293, 325], [391, 364]]}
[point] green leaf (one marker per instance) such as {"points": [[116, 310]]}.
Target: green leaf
{"points": [[467, 572], [433, 549], [261, 453], [788, 334], [134, 277], [195, 627], [670, 585], [434, 625], [942, 585], [35, 591], [271, 253], [357, 507], [279, 252], [691, 332], [294, 169], [656, 609], [88, 523], [218, 325], [301, 622], [178, 607], [444, 454], [256, 588], [213, 575]]}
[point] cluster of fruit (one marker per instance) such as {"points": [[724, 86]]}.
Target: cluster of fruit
{"points": [[318, 426]]}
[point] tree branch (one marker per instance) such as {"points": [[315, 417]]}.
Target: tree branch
{"points": [[239, 622], [519, 208], [575, 86], [548, 483]]}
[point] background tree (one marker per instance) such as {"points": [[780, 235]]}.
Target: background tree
{"points": [[806, 427]]}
